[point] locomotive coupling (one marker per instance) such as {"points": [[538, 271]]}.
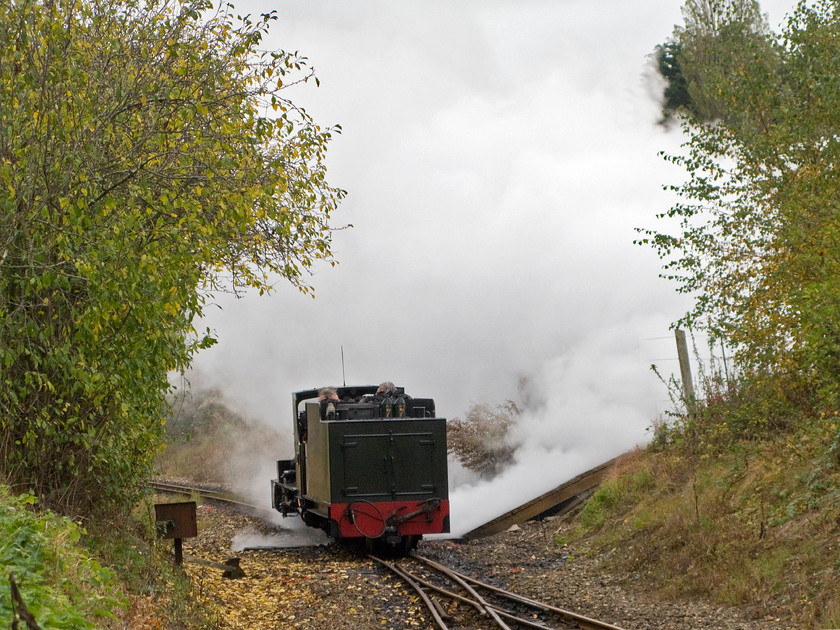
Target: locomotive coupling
{"points": [[427, 507]]}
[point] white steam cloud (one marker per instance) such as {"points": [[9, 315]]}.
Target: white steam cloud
{"points": [[497, 157], [293, 533], [589, 412]]}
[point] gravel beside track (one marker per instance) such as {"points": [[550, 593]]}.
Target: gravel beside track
{"points": [[527, 561], [337, 587]]}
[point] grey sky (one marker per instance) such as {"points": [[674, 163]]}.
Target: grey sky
{"points": [[497, 157]]}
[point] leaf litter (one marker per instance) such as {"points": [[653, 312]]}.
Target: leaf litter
{"points": [[327, 586]]}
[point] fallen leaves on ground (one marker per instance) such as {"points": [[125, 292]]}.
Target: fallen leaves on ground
{"points": [[306, 587]]}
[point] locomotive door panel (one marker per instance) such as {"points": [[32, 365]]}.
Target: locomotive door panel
{"points": [[413, 459], [316, 478], [366, 465]]}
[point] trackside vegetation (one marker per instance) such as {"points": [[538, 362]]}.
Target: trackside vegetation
{"points": [[67, 578], [737, 498], [708, 511], [149, 157], [59, 583], [481, 441], [755, 236]]}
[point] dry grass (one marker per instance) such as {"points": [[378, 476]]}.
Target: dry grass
{"points": [[746, 527], [208, 442]]}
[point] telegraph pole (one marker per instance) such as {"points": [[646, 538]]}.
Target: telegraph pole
{"points": [[685, 371]]}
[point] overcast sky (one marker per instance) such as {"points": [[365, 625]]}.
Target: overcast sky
{"points": [[497, 156]]}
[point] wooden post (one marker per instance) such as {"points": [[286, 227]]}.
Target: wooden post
{"points": [[179, 551], [685, 371]]}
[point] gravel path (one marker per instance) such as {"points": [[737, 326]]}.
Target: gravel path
{"points": [[332, 586]]}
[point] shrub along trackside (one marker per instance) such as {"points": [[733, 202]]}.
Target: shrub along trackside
{"points": [[59, 583], [64, 581], [149, 157], [744, 493]]}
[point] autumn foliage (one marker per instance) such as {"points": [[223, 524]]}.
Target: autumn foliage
{"points": [[148, 158], [754, 237], [481, 441]]}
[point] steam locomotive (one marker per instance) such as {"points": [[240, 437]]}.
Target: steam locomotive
{"points": [[368, 465]]}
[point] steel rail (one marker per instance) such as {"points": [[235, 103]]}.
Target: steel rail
{"points": [[465, 585], [210, 495], [572, 616], [407, 577], [185, 488], [522, 620], [482, 607], [447, 593], [582, 620]]}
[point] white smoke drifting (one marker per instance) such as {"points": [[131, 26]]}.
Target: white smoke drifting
{"points": [[294, 533], [589, 412], [497, 156]]}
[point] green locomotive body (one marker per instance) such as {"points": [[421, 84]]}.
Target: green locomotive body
{"points": [[362, 470]]}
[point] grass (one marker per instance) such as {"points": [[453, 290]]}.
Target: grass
{"points": [[158, 592], [113, 574], [752, 524], [709, 510]]}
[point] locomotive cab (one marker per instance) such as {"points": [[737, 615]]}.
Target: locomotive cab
{"points": [[361, 472]]}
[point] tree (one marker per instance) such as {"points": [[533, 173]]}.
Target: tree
{"points": [[758, 236], [675, 94], [480, 441], [148, 158], [720, 39], [207, 440]]}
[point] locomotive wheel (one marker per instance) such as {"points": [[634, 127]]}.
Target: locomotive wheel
{"points": [[408, 544]]}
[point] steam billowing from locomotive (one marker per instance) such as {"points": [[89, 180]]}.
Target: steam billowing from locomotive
{"points": [[579, 415]]}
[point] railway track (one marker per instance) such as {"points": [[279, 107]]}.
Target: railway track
{"points": [[453, 599], [475, 604], [211, 496]]}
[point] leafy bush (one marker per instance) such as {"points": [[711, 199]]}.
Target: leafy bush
{"points": [[59, 583], [130, 192], [735, 404], [753, 237]]}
